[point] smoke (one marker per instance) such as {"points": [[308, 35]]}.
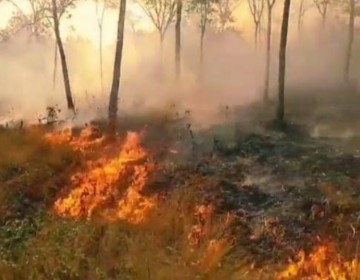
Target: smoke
{"points": [[233, 69]]}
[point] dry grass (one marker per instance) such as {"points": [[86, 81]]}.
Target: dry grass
{"points": [[183, 238], [66, 249]]}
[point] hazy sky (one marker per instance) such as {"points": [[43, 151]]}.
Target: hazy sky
{"points": [[235, 69], [84, 19]]}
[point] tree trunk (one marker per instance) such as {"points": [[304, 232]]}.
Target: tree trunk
{"points": [[323, 20], [161, 55], [114, 93], [259, 32], [268, 54], [350, 40], [282, 61], [101, 58], [70, 102], [178, 39], [55, 65], [256, 36], [300, 17], [201, 61], [100, 19]]}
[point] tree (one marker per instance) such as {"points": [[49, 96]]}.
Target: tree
{"points": [[256, 9], [62, 11], [161, 13], [100, 14], [205, 9], [100, 9], [56, 18], [351, 9], [301, 14], [114, 93], [178, 38], [44, 16], [132, 19], [270, 6], [225, 9], [322, 7], [35, 23], [282, 61]]}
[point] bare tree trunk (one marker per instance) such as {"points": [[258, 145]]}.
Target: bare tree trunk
{"points": [[222, 26], [268, 54], [114, 93], [259, 33], [178, 39], [55, 65], [300, 17], [101, 58], [201, 62], [100, 21], [350, 40], [282, 61], [69, 99], [161, 55], [323, 21], [256, 36]]}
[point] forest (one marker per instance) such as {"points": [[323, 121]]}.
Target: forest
{"points": [[179, 139]]}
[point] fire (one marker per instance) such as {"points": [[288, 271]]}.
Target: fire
{"points": [[108, 187], [89, 137], [323, 264], [203, 215], [215, 251], [212, 250], [58, 138]]}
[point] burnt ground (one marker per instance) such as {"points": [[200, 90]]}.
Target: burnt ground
{"points": [[287, 191], [290, 191]]}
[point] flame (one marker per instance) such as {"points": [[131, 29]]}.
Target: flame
{"points": [[215, 248], [60, 137], [203, 215], [215, 251], [323, 264], [108, 187], [89, 137]]}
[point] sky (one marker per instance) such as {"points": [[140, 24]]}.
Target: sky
{"points": [[84, 20]]}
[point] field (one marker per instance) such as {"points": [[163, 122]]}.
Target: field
{"points": [[242, 199]]}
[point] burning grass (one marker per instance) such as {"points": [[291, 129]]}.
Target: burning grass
{"points": [[324, 263], [89, 137], [109, 187], [107, 220]]}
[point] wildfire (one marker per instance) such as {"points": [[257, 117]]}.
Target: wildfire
{"points": [[89, 137], [200, 238], [60, 137], [203, 215], [110, 188], [323, 264]]}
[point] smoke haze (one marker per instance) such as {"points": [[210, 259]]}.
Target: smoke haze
{"points": [[233, 69]]}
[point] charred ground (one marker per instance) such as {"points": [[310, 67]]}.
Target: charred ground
{"points": [[234, 201]]}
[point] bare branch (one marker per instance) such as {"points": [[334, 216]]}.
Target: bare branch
{"points": [[160, 12]]}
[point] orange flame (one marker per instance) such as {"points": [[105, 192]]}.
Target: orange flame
{"points": [[323, 264], [89, 137], [60, 137], [110, 188]]}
